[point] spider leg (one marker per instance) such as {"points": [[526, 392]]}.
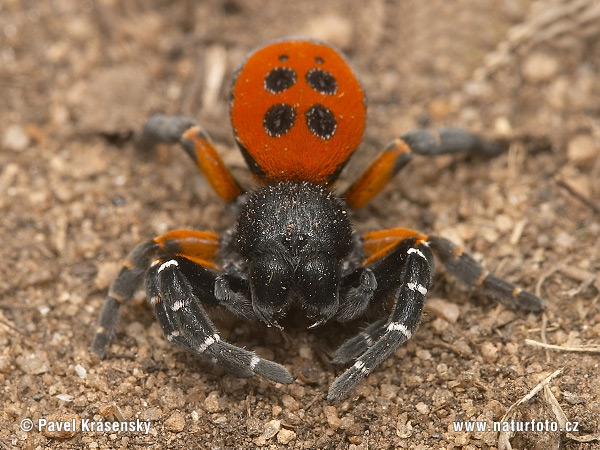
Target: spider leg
{"points": [[356, 294], [160, 128], [178, 308], [398, 154], [181, 280], [403, 274], [469, 271], [198, 245], [402, 263]]}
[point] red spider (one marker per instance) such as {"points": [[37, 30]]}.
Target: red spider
{"points": [[298, 113]]}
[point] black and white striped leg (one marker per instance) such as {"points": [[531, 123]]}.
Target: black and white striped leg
{"points": [[356, 346], [184, 321], [405, 274], [469, 271], [123, 287]]}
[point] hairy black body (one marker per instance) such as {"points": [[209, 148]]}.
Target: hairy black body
{"points": [[294, 237]]}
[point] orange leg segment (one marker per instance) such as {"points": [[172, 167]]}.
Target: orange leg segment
{"points": [[161, 128], [197, 246], [379, 243], [197, 143], [388, 163], [421, 142]]}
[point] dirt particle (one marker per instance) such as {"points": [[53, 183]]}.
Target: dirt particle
{"points": [[444, 309], [489, 352], [271, 428], [423, 354], [539, 67], [80, 371], [15, 138], [422, 408], [582, 150], [34, 363], [331, 415], [65, 398], [289, 402], [171, 397], [151, 414], [70, 422], [175, 422], [285, 436], [212, 403], [4, 364]]}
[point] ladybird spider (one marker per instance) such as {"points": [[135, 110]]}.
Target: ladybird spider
{"points": [[298, 113]]}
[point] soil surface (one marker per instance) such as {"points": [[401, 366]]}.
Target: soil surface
{"points": [[78, 80]]}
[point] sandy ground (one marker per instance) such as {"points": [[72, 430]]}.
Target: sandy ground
{"points": [[77, 80]]}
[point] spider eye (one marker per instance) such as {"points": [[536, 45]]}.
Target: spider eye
{"points": [[295, 242]]}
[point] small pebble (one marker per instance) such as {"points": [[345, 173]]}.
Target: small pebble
{"points": [[423, 354], [582, 150], [151, 414], [332, 417], [105, 274], [171, 397], [489, 352], [388, 390], [211, 402], [346, 422], [285, 436], [442, 368], [221, 420], [439, 325], [502, 126], [176, 422], [306, 352], [540, 67], [289, 402], [15, 138], [271, 429], [4, 364], [65, 398], [34, 363], [80, 371], [441, 308], [111, 412], [355, 441], [422, 408], [70, 423]]}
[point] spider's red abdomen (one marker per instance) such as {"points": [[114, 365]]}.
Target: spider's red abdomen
{"points": [[298, 111]]}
